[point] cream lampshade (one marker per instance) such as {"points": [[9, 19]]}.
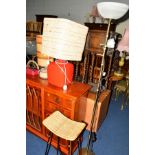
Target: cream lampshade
{"points": [[112, 10], [62, 39]]}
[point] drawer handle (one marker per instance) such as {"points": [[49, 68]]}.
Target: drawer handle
{"points": [[57, 100]]}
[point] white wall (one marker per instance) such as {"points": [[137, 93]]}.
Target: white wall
{"points": [[71, 9]]}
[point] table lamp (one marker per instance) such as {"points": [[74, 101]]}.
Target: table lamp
{"points": [[109, 11], [63, 40], [123, 48]]}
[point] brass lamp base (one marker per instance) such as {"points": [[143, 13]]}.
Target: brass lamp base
{"points": [[121, 64], [85, 151], [119, 73]]}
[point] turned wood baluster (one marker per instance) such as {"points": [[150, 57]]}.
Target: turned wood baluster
{"points": [[86, 69], [97, 67], [93, 55], [109, 69], [76, 71]]}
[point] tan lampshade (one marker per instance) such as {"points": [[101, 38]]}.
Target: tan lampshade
{"points": [[63, 39], [123, 45]]}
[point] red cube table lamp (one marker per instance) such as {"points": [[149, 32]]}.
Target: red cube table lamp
{"points": [[63, 40]]}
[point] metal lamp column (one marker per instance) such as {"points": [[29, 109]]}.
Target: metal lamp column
{"points": [[88, 149]]}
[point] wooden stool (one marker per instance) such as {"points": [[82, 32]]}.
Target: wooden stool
{"points": [[63, 127]]}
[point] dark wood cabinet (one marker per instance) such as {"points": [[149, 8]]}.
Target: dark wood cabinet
{"points": [[96, 36], [100, 26], [40, 18], [92, 56]]}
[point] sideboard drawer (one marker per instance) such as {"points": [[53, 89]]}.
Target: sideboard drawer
{"points": [[64, 102], [66, 112], [53, 98], [50, 108], [68, 103]]}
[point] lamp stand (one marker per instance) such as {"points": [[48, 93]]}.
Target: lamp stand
{"points": [[121, 64], [88, 150]]}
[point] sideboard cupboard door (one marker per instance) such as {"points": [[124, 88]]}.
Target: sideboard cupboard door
{"points": [[33, 107]]}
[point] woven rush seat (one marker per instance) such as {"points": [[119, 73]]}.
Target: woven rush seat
{"points": [[63, 127]]}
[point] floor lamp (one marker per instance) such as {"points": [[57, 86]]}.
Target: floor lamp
{"points": [[109, 11]]}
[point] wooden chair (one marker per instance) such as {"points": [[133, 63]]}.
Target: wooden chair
{"points": [[64, 128], [122, 87], [113, 78]]}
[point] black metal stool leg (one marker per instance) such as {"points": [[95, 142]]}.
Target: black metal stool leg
{"points": [[58, 145], [79, 139], [48, 143], [79, 144]]}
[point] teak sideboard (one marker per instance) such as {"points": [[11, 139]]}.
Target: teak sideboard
{"points": [[43, 98]]}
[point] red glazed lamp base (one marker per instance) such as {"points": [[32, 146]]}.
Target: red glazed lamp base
{"points": [[60, 73]]}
